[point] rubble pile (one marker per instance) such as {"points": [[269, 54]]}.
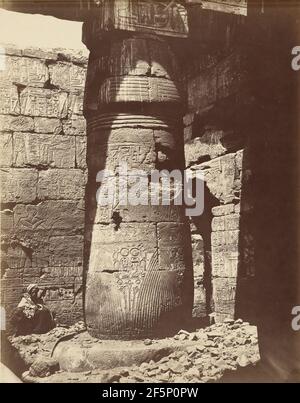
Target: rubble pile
{"points": [[35, 347], [208, 354], [218, 348]]}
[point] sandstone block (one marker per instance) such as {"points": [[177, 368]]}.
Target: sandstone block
{"points": [[75, 126], [16, 123], [39, 53], [75, 56], [7, 221], [67, 76], [230, 239], [18, 185], [81, 149], [51, 217], [25, 71], [43, 150], [223, 210], [224, 291], [225, 264], [221, 177], [44, 103], [61, 184], [172, 234], [10, 50], [46, 125], [9, 104], [65, 250], [5, 149], [75, 105]]}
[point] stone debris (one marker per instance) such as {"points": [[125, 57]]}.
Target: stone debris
{"points": [[38, 348], [148, 342], [43, 367], [206, 357]]}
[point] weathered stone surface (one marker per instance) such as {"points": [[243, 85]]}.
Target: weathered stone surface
{"points": [[210, 144], [198, 254], [226, 223], [7, 221], [25, 71], [225, 264], [225, 253], [223, 210], [44, 102], [5, 149], [200, 304], [18, 185], [222, 178], [46, 125], [75, 107], [138, 89], [16, 123], [128, 238], [9, 96], [136, 155], [43, 150], [66, 249], [224, 292], [39, 53], [199, 148], [43, 367], [162, 64], [67, 76], [75, 56], [16, 256], [134, 61], [61, 184], [128, 258], [81, 157], [75, 126], [52, 217], [10, 49], [114, 291], [199, 307], [172, 234]]}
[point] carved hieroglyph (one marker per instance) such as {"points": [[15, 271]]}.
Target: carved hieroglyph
{"points": [[139, 280], [166, 18]]}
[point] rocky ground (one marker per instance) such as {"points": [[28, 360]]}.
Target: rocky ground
{"points": [[216, 350]]}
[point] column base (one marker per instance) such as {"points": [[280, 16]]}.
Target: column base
{"points": [[85, 353]]}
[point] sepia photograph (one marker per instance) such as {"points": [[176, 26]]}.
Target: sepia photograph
{"points": [[150, 194]]}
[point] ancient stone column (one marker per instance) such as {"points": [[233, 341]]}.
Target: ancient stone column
{"points": [[139, 280]]}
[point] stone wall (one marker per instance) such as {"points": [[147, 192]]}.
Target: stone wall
{"points": [[43, 177], [216, 143]]}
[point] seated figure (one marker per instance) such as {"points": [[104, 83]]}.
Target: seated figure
{"points": [[32, 316]]}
